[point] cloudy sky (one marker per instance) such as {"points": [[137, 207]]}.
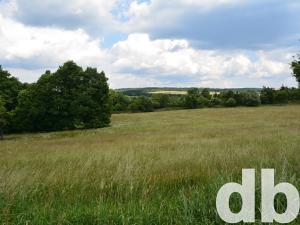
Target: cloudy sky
{"points": [[139, 43]]}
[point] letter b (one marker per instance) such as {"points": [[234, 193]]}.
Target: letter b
{"points": [[247, 192], [269, 191]]}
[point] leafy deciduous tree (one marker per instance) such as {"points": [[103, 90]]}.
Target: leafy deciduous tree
{"points": [[9, 89], [295, 66], [70, 98]]}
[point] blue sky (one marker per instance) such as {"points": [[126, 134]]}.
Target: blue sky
{"points": [[204, 43]]}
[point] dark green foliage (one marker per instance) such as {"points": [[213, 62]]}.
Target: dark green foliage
{"points": [[231, 102], [203, 102], [194, 99], [252, 99], [215, 101], [281, 96], [161, 100], [206, 94], [120, 102], [135, 92], [294, 94], [295, 66], [227, 95], [191, 100], [141, 104], [177, 101], [70, 98], [249, 98], [9, 89], [267, 95]]}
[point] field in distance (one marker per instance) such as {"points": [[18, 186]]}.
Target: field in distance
{"points": [[157, 168], [169, 92], [177, 91]]}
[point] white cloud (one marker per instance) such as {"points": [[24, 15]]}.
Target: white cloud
{"points": [[139, 54], [137, 61], [146, 15], [27, 75], [94, 16], [46, 46], [8, 7]]}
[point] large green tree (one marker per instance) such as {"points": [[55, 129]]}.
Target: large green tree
{"points": [[10, 88], [67, 99], [295, 65]]}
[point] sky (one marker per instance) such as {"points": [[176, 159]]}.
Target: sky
{"points": [[154, 43]]}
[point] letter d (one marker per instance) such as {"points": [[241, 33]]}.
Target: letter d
{"points": [[247, 192], [269, 191]]}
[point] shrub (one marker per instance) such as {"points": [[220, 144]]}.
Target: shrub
{"points": [[120, 102], [281, 96], [161, 100], [215, 101], [141, 104], [231, 102], [251, 99], [267, 95], [205, 93]]}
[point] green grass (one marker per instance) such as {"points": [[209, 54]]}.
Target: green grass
{"points": [[158, 168]]}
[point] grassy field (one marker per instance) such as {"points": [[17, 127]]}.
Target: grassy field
{"points": [[158, 168]]}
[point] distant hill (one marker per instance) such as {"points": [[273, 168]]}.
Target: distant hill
{"points": [[176, 91]]}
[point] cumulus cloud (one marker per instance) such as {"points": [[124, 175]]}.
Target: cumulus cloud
{"points": [[219, 24], [165, 55], [166, 58], [95, 16], [38, 47]]}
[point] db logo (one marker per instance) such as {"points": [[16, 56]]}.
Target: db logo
{"points": [[268, 193]]}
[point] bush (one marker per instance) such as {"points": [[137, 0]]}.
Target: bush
{"points": [[251, 99], [141, 104], [215, 101], [281, 96], [267, 95], [206, 94], [202, 101], [120, 102], [177, 101], [192, 98], [161, 100], [231, 102]]}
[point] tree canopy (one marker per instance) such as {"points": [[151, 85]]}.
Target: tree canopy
{"points": [[9, 89], [295, 65], [67, 99]]}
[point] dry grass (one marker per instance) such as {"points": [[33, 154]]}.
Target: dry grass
{"points": [[152, 168]]}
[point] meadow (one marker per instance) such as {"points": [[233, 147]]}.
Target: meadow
{"points": [[158, 168]]}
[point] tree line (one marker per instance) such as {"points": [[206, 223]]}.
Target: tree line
{"points": [[203, 98], [77, 98]]}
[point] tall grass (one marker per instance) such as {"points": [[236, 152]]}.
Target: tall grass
{"points": [[155, 168]]}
